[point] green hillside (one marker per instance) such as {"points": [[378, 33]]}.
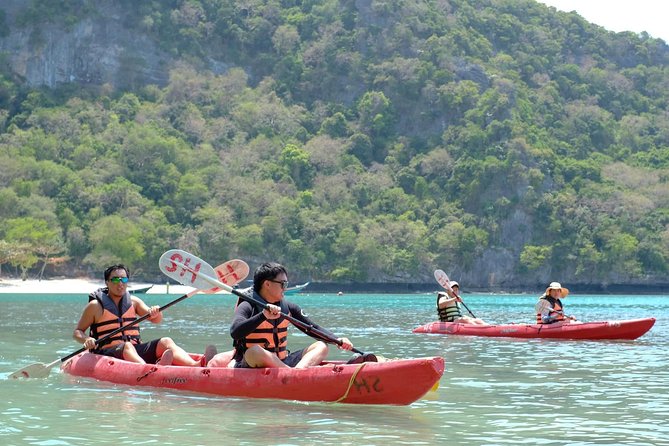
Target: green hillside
{"points": [[354, 141]]}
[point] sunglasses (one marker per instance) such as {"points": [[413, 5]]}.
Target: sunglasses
{"points": [[283, 283], [119, 280]]}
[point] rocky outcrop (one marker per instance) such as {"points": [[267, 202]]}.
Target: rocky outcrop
{"points": [[97, 50]]}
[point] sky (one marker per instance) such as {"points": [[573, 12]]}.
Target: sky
{"points": [[621, 15]]}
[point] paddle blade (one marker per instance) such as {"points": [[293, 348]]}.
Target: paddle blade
{"points": [[37, 370], [186, 269], [231, 273], [443, 279]]}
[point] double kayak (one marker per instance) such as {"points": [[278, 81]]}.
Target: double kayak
{"points": [[624, 329], [397, 382]]}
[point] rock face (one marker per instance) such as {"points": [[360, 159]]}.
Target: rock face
{"points": [[97, 50]]}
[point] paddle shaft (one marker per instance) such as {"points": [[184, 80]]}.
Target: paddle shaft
{"points": [[309, 329], [464, 305]]}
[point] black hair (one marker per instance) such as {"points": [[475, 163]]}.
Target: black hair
{"points": [[112, 268], [267, 271]]}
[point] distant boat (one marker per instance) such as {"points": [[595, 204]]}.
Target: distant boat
{"points": [[295, 289], [140, 290]]}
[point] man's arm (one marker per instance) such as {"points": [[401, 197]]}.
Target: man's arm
{"points": [[141, 309], [244, 321], [544, 308], [85, 321], [444, 301]]}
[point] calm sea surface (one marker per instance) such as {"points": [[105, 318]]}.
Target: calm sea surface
{"points": [[494, 391]]}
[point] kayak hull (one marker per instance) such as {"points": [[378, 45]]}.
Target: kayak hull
{"points": [[397, 382], [624, 329]]}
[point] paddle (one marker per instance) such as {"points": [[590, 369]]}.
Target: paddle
{"points": [[444, 281], [231, 272], [180, 265]]}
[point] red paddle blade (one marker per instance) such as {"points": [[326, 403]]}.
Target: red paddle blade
{"points": [[231, 273], [443, 279]]}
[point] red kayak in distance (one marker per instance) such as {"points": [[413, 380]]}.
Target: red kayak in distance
{"points": [[624, 329], [396, 381]]}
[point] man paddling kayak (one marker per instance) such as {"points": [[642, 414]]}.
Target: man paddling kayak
{"points": [[260, 335], [112, 306], [549, 309]]}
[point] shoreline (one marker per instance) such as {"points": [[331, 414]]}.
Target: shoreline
{"points": [[86, 285], [80, 286]]}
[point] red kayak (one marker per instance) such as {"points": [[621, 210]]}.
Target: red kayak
{"points": [[626, 329], [399, 382]]}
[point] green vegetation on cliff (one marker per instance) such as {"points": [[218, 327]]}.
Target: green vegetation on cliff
{"points": [[351, 140]]}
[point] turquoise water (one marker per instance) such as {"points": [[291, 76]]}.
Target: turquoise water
{"points": [[494, 391]]}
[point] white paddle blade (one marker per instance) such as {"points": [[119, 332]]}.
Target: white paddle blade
{"points": [[231, 272], [37, 370], [443, 279], [185, 268]]}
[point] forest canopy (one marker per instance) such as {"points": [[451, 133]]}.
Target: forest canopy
{"points": [[501, 140]]}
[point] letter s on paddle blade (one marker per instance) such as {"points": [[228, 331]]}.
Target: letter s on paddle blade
{"points": [[186, 268]]}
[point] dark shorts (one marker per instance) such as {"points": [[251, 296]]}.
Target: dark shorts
{"points": [[145, 350], [291, 360]]}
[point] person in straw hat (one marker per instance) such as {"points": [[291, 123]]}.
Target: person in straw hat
{"points": [[549, 309]]}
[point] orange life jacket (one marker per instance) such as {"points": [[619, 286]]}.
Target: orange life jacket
{"points": [[272, 335], [556, 312], [113, 317]]}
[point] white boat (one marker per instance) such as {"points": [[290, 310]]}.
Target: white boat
{"points": [[295, 289]]}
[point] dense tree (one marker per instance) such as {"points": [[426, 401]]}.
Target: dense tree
{"points": [[354, 141]]}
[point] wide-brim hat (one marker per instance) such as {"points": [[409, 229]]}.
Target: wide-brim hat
{"points": [[556, 286], [454, 283]]}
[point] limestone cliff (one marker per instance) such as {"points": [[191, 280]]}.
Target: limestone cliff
{"points": [[98, 49]]}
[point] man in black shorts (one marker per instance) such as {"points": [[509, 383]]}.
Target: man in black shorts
{"points": [[112, 306]]}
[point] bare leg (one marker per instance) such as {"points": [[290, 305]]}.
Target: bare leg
{"points": [[130, 354], [257, 356], [221, 359], [181, 357], [470, 320], [313, 355], [166, 358]]}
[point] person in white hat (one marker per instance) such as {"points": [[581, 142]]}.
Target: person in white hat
{"points": [[449, 310], [549, 309]]}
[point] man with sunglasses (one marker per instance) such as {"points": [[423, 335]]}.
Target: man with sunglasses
{"points": [[108, 307], [260, 335]]}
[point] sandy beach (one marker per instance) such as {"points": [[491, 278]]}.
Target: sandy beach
{"points": [[82, 285]]}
